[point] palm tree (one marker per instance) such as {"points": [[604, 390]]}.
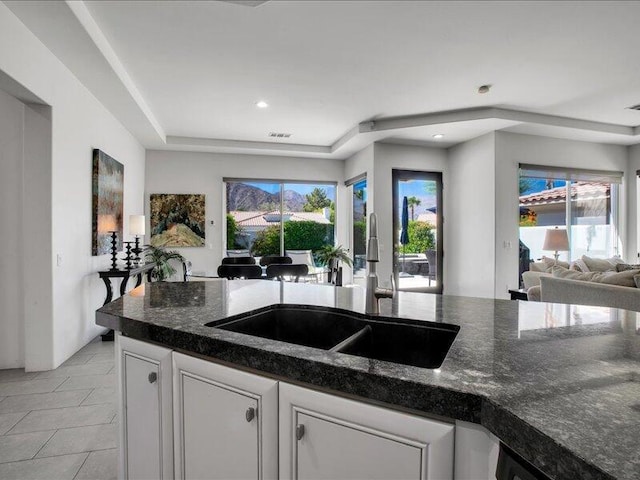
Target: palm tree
{"points": [[413, 202]]}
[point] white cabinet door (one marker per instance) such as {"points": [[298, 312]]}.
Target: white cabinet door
{"points": [[146, 437], [225, 422], [327, 437]]}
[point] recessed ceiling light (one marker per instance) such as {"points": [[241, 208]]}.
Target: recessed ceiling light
{"points": [[484, 89], [262, 104], [438, 136]]}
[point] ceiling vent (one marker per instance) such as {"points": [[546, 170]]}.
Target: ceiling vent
{"points": [[246, 3], [279, 135], [634, 107]]}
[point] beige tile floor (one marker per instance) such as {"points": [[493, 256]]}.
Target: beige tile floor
{"points": [[61, 424]]}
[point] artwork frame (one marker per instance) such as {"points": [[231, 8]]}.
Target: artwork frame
{"points": [[177, 220], [107, 206]]}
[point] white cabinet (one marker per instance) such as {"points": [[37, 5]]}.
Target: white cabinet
{"points": [[225, 422], [328, 437], [476, 452], [146, 437]]}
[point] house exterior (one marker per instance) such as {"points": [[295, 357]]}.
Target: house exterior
{"points": [[251, 223]]}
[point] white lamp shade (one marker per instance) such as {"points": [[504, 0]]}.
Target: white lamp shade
{"points": [[556, 239], [136, 224]]}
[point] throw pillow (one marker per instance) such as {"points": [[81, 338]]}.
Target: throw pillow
{"points": [[537, 267], [579, 265], [561, 272], [601, 264], [622, 267], [551, 262], [622, 279]]}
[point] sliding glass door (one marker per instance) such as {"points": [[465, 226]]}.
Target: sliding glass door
{"points": [[417, 230]]}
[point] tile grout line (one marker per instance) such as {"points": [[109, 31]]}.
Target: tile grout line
{"points": [[85, 461], [44, 444], [14, 425], [65, 381], [72, 453]]}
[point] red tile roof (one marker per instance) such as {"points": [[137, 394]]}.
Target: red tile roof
{"points": [[579, 191], [261, 219]]}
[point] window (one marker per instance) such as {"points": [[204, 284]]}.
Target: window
{"points": [[267, 217], [584, 202], [358, 243]]}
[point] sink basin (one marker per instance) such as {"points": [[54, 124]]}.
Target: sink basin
{"points": [[410, 342], [423, 346], [308, 327]]}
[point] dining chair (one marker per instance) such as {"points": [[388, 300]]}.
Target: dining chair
{"points": [[282, 271], [238, 261], [239, 271], [271, 259]]}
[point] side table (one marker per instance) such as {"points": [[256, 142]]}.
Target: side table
{"points": [[518, 294], [125, 274]]}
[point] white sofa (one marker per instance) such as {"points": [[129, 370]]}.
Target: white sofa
{"points": [[578, 292]]}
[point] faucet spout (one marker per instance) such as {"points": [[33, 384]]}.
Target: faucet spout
{"points": [[374, 293]]}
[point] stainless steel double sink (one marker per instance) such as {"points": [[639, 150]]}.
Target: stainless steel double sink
{"points": [[408, 342]]}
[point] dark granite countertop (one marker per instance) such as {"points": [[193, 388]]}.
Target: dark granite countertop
{"points": [[559, 384]]}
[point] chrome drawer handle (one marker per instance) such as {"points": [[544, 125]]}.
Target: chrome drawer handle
{"points": [[153, 376], [299, 431]]}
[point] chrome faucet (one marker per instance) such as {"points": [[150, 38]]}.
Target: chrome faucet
{"points": [[374, 293]]}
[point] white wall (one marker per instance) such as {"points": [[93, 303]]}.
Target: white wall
{"points": [[11, 141], [513, 149], [470, 219], [404, 157], [191, 172], [79, 124]]}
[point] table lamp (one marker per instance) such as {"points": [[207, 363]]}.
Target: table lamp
{"points": [[137, 228], [556, 239]]}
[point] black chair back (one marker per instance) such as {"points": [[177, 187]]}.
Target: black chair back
{"points": [[271, 259], [238, 261], [239, 271], [280, 271]]}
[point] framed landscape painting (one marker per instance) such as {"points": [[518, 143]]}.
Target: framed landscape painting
{"points": [[107, 202], [177, 220]]}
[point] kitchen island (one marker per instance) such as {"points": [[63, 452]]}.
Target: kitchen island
{"points": [[556, 383]]}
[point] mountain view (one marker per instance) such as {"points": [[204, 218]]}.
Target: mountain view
{"points": [[247, 198]]}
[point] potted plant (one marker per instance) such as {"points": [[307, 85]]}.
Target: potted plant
{"points": [[162, 258], [331, 257]]}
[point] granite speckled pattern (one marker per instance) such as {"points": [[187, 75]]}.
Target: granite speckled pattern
{"points": [[559, 384]]}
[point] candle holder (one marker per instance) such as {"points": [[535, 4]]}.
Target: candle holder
{"points": [[136, 250], [137, 228], [128, 258], [114, 250]]}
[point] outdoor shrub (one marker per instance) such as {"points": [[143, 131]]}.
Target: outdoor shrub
{"points": [[307, 235], [421, 238], [232, 230], [360, 237], [267, 242]]}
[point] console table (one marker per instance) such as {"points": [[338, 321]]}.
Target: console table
{"points": [[125, 274]]}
